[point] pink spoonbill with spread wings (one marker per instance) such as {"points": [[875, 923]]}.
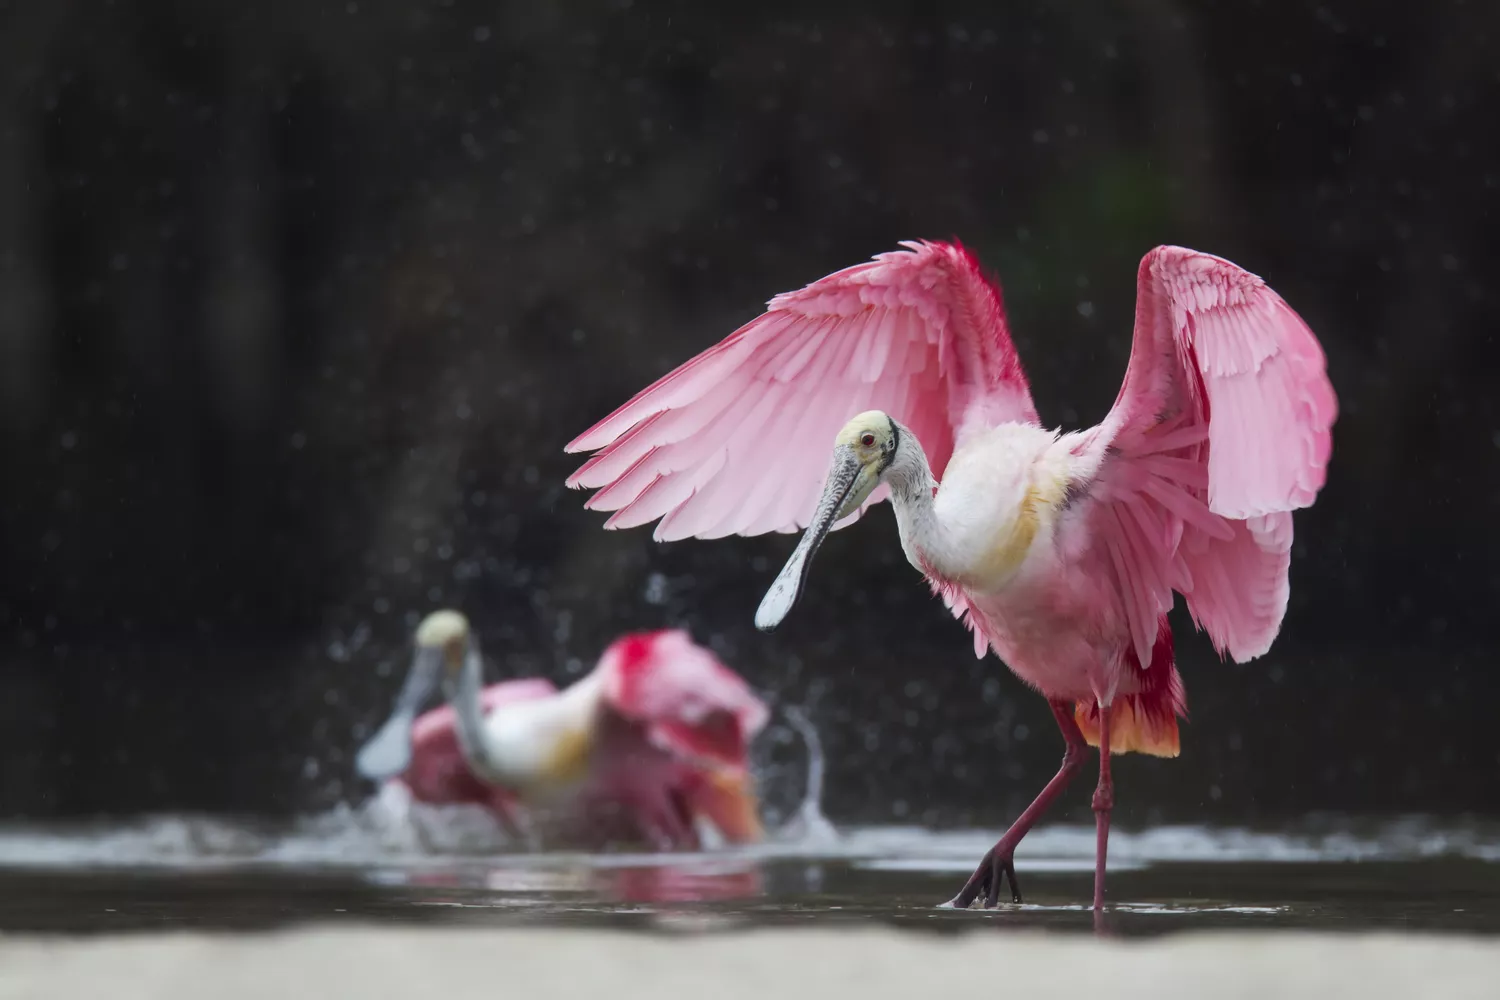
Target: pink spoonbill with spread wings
{"points": [[651, 742], [1061, 551]]}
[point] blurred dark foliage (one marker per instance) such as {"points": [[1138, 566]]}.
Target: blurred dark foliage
{"points": [[299, 302]]}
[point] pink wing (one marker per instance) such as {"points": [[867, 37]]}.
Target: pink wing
{"points": [[438, 773], [736, 440], [690, 704], [1220, 431]]}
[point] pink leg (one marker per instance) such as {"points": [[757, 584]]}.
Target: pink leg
{"points": [[999, 863], [1104, 801], [662, 821]]}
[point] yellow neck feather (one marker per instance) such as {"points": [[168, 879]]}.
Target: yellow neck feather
{"points": [[1012, 543], [568, 760]]}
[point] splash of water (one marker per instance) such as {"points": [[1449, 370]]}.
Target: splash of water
{"points": [[390, 828], [808, 826], [390, 831]]}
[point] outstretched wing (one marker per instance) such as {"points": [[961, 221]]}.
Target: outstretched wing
{"points": [[736, 440], [688, 702], [1222, 428]]}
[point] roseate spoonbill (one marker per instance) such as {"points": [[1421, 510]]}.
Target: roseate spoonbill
{"points": [[655, 736], [1060, 550]]}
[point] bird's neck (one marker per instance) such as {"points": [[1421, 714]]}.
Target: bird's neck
{"points": [[923, 537], [978, 530], [529, 746], [463, 693]]}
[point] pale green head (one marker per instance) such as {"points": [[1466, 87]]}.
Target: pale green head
{"points": [[442, 645], [862, 453]]}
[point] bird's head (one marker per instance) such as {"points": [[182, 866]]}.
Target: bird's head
{"points": [[863, 453], [446, 634], [443, 644]]}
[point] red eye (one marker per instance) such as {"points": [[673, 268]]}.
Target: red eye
{"points": [[868, 440]]}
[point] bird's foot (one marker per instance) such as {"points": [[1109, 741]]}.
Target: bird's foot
{"points": [[996, 866]]}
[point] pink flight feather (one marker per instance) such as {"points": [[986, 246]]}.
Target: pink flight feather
{"points": [[918, 333], [1223, 426], [690, 703]]}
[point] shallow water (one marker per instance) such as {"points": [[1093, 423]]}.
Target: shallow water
{"points": [[361, 865]]}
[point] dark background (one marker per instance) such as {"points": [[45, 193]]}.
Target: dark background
{"points": [[300, 300]]}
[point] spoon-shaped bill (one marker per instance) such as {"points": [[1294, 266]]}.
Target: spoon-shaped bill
{"points": [[840, 498], [388, 752]]}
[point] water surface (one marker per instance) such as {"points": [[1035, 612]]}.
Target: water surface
{"points": [[448, 867]]}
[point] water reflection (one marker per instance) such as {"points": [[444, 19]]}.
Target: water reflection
{"points": [[701, 892], [349, 839], [201, 872], [674, 884], [663, 881]]}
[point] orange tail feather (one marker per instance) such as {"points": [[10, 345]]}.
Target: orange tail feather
{"points": [[1133, 726], [1145, 721], [726, 797]]}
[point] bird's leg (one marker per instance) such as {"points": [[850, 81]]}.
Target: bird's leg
{"points": [[515, 822], [662, 824], [999, 862], [1104, 801], [686, 822]]}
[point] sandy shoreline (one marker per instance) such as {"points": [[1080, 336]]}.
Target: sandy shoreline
{"points": [[370, 961]]}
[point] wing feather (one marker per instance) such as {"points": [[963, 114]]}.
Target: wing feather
{"points": [[688, 701], [736, 439], [1222, 428]]}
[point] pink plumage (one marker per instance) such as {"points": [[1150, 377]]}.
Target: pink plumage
{"points": [[1223, 425], [688, 703], [673, 726], [438, 773], [920, 335], [1221, 429]]}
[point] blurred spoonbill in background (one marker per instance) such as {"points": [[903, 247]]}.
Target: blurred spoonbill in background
{"points": [[649, 744], [1061, 551]]}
